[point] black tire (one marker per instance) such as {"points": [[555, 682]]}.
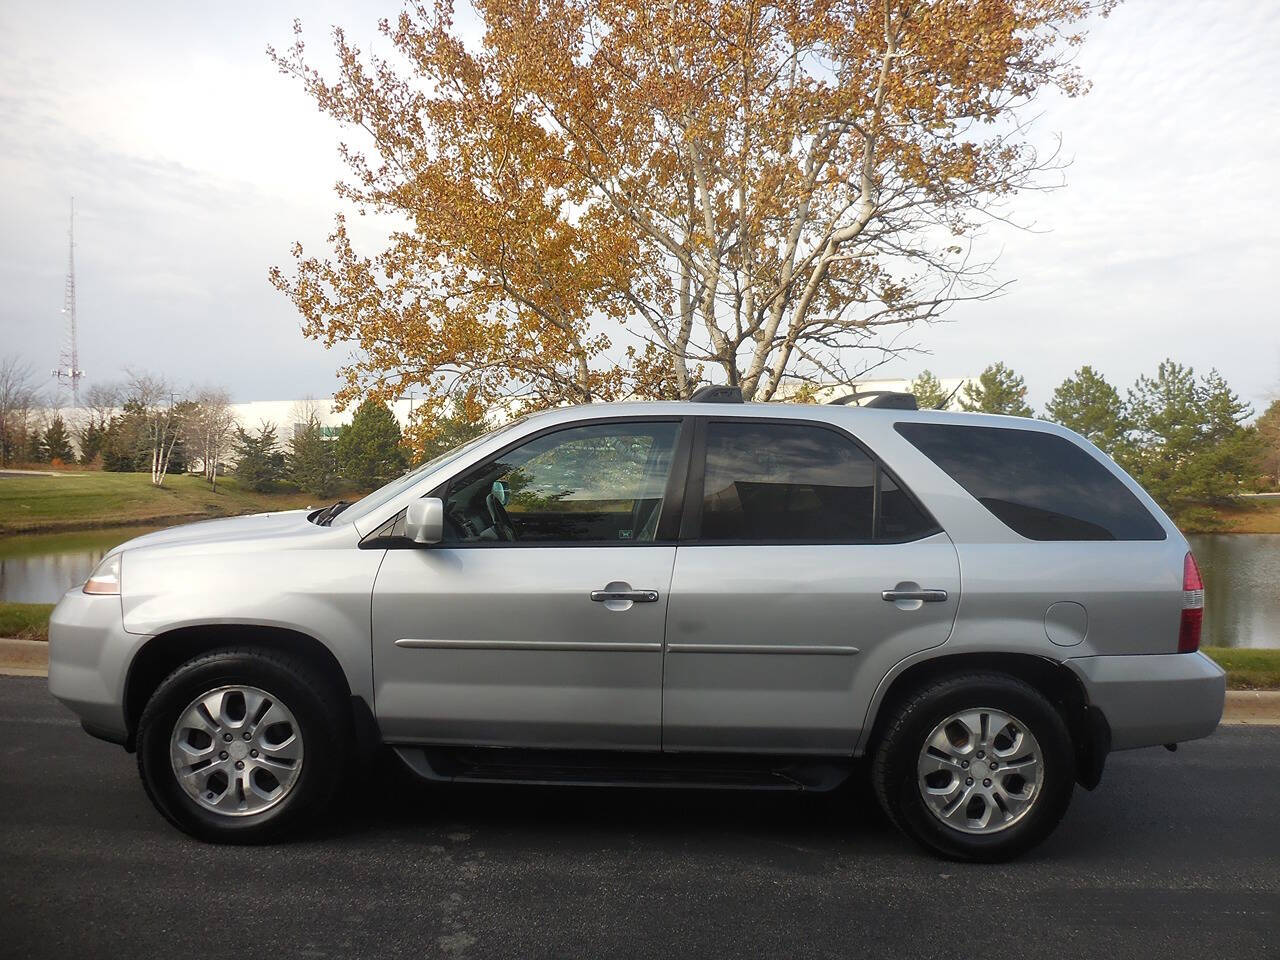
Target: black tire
{"points": [[894, 776], [321, 712]]}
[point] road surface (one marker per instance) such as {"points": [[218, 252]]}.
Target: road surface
{"points": [[1174, 855]]}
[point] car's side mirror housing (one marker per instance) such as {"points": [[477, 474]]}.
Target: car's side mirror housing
{"points": [[424, 520]]}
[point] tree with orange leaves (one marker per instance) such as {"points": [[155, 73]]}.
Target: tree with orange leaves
{"points": [[763, 192]]}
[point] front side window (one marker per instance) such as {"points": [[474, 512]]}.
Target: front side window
{"points": [[598, 483], [793, 482], [1040, 485]]}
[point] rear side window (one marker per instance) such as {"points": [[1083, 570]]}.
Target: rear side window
{"points": [[1041, 486], [779, 483]]}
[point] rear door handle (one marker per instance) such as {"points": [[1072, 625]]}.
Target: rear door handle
{"points": [[928, 596], [635, 596]]}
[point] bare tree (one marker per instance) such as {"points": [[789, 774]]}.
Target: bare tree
{"points": [[156, 403], [212, 427], [303, 412], [18, 401], [101, 401]]}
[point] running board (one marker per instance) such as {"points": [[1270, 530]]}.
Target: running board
{"points": [[623, 769]]}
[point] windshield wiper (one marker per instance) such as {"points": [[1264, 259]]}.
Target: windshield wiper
{"points": [[325, 516]]}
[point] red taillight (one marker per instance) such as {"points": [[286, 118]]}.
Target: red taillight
{"points": [[1192, 607]]}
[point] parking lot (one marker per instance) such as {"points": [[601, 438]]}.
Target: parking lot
{"points": [[1172, 851]]}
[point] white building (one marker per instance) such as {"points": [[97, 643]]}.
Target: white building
{"points": [[288, 416]]}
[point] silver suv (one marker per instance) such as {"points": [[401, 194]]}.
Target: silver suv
{"points": [[715, 594]]}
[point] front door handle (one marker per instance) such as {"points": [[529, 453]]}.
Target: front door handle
{"points": [[927, 596], [635, 596]]}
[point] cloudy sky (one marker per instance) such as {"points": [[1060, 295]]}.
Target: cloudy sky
{"points": [[195, 165]]}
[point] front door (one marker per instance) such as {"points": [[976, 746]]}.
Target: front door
{"points": [[778, 627], [539, 621]]}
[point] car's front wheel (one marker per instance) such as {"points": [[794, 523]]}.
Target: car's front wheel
{"points": [[977, 767], [242, 745]]}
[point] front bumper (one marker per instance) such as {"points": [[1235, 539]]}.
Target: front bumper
{"points": [[1154, 699], [89, 657]]}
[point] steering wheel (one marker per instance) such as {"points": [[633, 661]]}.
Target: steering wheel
{"points": [[496, 501]]}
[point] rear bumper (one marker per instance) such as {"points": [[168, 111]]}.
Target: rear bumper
{"points": [[89, 657], [1150, 700]]}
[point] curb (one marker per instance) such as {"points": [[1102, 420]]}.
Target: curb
{"points": [[1254, 708], [23, 658]]}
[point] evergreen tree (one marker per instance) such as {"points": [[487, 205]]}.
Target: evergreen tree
{"points": [[1269, 440], [929, 392], [56, 442], [1188, 445], [124, 444], [311, 462], [259, 462], [34, 452], [368, 448], [998, 390], [1087, 404], [92, 436]]}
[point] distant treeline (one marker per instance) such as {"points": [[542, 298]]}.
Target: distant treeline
{"points": [[1186, 438]]}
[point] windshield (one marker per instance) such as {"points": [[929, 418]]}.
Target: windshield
{"points": [[390, 491]]}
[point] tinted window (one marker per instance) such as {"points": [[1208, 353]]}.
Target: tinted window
{"points": [[600, 483], [900, 518], [793, 482], [1040, 485]]}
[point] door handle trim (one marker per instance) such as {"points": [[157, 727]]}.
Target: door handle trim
{"points": [[928, 596], [635, 596]]}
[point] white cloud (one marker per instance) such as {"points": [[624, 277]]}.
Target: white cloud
{"points": [[1163, 242], [196, 165]]}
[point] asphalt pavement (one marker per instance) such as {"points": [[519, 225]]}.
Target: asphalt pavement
{"points": [[1173, 855]]}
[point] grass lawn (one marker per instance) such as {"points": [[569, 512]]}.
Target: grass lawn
{"points": [[1250, 516], [1247, 668], [69, 501], [26, 621]]}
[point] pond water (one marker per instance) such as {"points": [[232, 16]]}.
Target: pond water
{"points": [[1241, 574], [38, 568]]}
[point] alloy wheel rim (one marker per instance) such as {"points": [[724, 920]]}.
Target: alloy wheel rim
{"points": [[236, 750], [980, 771]]}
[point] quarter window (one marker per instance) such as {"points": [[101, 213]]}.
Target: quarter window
{"points": [[1040, 485], [776, 482], [899, 517], [598, 483]]}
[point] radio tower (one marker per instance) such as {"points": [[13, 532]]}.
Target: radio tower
{"points": [[69, 360]]}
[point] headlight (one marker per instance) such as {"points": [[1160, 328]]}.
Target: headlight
{"points": [[106, 578]]}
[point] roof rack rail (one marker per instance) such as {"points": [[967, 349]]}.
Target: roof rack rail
{"points": [[884, 399], [716, 393]]}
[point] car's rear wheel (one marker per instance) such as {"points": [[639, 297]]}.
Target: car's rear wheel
{"points": [[976, 767], [242, 745]]}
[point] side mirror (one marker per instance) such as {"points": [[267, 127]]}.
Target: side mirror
{"points": [[424, 520]]}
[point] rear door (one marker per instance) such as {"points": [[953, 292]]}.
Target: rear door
{"points": [[804, 572], [1060, 539]]}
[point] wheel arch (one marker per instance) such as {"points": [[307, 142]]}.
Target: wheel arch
{"points": [[166, 651], [1090, 733]]}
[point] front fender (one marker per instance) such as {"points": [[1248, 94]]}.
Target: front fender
{"points": [[323, 593]]}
